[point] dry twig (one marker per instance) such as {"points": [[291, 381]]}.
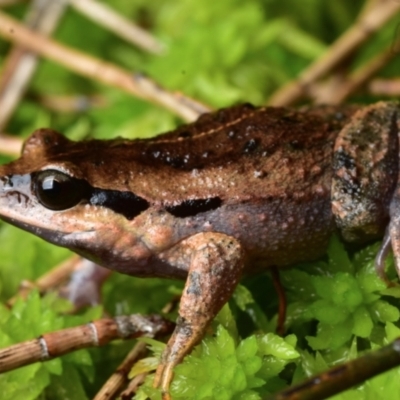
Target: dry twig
{"points": [[121, 26], [98, 69], [10, 145], [119, 378], [368, 23], [385, 87], [338, 92], [361, 77], [54, 278], [96, 333], [133, 386], [344, 376], [71, 103], [43, 17]]}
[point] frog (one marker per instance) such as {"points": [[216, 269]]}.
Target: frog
{"points": [[239, 191]]}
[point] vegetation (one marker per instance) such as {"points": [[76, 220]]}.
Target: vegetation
{"points": [[219, 53]]}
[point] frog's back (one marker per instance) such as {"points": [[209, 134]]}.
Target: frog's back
{"points": [[243, 153], [266, 172], [236, 154]]}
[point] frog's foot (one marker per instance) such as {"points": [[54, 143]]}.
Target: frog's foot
{"points": [[216, 264], [381, 257], [394, 229], [391, 239]]}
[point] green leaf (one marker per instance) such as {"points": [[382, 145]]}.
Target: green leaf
{"points": [[384, 311], [338, 258], [362, 323], [392, 331], [247, 348], [277, 346], [147, 364]]}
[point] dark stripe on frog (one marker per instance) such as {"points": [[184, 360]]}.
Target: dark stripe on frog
{"points": [[190, 208], [125, 203]]}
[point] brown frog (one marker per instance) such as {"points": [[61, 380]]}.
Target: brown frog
{"points": [[238, 191]]}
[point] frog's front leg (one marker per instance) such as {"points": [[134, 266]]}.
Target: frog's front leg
{"points": [[215, 267]]}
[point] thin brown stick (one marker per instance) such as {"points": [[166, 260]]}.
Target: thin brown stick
{"points": [[336, 91], [119, 378], [385, 87], [71, 103], [96, 333], [118, 24], [344, 376], [95, 68], [54, 278], [368, 23], [133, 386], [361, 77], [368, 6], [10, 145], [58, 274], [43, 17]]}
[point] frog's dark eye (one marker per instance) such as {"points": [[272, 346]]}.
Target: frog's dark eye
{"points": [[58, 191]]}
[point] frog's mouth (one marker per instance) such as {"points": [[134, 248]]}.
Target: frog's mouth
{"points": [[79, 242], [51, 235], [51, 199]]}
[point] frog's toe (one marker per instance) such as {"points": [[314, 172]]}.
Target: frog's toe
{"points": [[394, 230], [381, 257], [390, 240]]}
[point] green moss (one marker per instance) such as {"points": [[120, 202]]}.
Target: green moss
{"points": [[221, 367], [345, 308], [220, 53], [29, 319]]}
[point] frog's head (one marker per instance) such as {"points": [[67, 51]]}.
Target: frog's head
{"points": [[45, 192]]}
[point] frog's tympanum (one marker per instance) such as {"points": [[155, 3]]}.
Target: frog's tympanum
{"points": [[240, 190]]}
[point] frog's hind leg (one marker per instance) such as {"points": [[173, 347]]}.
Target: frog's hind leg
{"points": [[381, 257], [391, 239], [394, 229], [86, 282]]}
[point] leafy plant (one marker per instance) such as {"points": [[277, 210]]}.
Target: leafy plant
{"points": [[342, 300], [220, 53]]}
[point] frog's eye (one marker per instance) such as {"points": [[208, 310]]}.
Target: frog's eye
{"points": [[58, 191]]}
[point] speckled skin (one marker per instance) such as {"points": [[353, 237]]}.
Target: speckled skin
{"points": [[272, 169], [280, 182]]}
